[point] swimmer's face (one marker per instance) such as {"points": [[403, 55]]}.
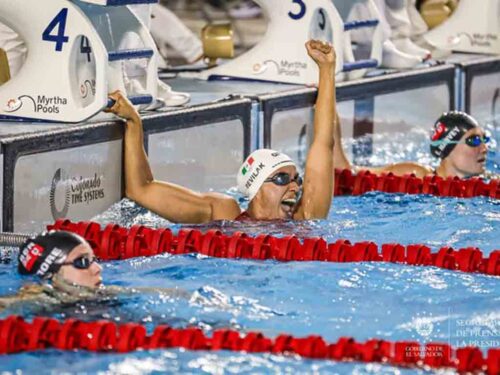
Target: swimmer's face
{"points": [[275, 201], [467, 160], [90, 277]]}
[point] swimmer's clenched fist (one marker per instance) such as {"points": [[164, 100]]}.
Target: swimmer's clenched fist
{"points": [[321, 52]]}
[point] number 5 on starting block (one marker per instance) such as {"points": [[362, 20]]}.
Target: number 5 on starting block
{"points": [[280, 55]]}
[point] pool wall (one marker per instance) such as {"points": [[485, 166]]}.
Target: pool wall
{"points": [[45, 179]]}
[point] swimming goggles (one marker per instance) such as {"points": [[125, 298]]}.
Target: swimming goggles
{"points": [[283, 179], [476, 140], [81, 263], [472, 141]]}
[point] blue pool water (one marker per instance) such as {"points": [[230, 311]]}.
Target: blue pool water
{"points": [[361, 300]]}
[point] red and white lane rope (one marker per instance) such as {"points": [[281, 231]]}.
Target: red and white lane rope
{"points": [[362, 182], [115, 242], [17, 335]]}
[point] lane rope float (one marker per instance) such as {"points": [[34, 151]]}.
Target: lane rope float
{"points": [[18, 335], [115, 242], [347, 183]]}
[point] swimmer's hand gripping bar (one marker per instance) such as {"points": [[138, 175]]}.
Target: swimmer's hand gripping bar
{"points": [[135, 100]]}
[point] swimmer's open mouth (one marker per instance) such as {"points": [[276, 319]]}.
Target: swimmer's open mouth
{"points": [[289, 202], [482, 160]]}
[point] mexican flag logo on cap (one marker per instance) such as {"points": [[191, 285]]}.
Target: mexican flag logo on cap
{"points": [[247, 166]]}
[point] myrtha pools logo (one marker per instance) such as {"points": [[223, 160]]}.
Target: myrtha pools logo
{"points": [[40, 104], [283, 67], [14, 105]]}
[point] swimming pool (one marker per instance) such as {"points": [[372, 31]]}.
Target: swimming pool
{"points": [[361, 300]]}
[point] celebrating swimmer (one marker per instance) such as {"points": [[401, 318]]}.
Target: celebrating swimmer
{"points": [[457, 140], [268, 178]]}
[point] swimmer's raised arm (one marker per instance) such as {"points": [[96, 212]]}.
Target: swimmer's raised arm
{"points": [[318, 176], [171, 201]]}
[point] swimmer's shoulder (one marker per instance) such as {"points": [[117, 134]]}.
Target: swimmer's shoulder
{"points": [[224, 207]]}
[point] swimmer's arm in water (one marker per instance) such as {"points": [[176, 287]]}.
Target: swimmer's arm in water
{"points": [[173, 202], [114, 290], [318, 176], [340, 160], [30, 292], [169, 292], [400, 169], [8, 301]]}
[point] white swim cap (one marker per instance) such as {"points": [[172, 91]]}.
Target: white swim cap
{"points": [[259, 166]]}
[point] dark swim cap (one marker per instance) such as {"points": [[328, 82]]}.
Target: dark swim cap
{"points": [[44, 254], [450, 127]]}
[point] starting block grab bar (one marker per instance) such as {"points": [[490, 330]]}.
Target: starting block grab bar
{"points": [[134, 99], [279, 56], [114, 3], [352, 25], [363, 64], [75, 57]]}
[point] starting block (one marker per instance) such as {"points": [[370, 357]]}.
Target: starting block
{"points": [[4, 67], [280, 55], [473, 27], [73, 59], [362, 28]]}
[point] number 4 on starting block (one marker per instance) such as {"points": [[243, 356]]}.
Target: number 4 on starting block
{"points": [[73, 58]]}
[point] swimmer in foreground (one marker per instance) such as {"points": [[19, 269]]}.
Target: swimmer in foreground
{"points": [[69, 271], [457, 140], [269, 178], [66, 264]]}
